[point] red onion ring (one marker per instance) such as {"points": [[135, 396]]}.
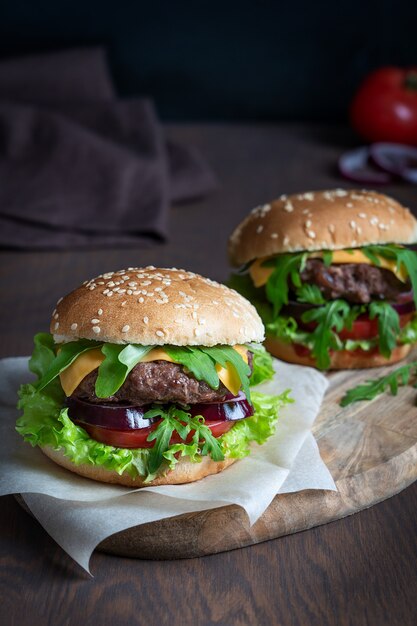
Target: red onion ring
{"points": [[131, 417], [355, 165]]}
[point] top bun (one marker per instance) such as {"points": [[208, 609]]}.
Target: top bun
{"points": [[153, 306], [318, 220]]}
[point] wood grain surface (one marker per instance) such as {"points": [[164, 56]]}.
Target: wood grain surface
{"points": [[357, 571], [369, 447]]}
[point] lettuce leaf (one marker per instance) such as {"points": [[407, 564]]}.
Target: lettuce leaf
{"points": [[44, 422], [262, 368]]}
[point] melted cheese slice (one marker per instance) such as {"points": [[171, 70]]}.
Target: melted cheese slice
{"points": [[261, 274], [90, 360], [79, 369]]}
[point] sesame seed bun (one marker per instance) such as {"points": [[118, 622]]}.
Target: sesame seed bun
{"points": [[153, 306], [184, 472], [332, 220], [339, 360]]}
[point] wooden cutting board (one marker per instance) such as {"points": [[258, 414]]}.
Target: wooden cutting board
{"points": [[369, 447]]}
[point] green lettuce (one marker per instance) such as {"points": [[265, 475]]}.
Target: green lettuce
{"points": [[45, 423], [331, 317], [262, 368]]}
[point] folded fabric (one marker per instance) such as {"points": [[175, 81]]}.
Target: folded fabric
{"points": [[80, 168]]}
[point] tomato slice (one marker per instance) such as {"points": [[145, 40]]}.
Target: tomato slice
{"points": [[137, 437]]}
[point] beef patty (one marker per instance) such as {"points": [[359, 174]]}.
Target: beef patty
{"points": [[156, 381], [355, 282]]}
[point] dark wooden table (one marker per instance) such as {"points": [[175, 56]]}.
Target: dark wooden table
{"points": [[357, 571]]}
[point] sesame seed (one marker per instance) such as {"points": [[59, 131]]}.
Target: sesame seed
{"points": [[288, 207], [286, 240], [352, 224], [56, 316], [141, 300], [197, 331], [60, 300], [74, 326], [259, 229], [159, 333], [145, 320], [125, 328], [124, 302], [362, 215], [109, 294], [331, 228], [56, 325], [308, 224], [349, 205], [374, 220], [100, 312], [274, 235], [106, 291], [311, 234], [96, 330], [95, 321]]}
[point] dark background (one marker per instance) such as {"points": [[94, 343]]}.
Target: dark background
{"points": [[245, 60]]}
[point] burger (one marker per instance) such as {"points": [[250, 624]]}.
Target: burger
{"points": [[331, 277], [145, 379]]}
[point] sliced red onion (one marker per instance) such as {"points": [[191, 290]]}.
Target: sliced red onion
{"points": [[403, 308], [356, 165], [130, 417], [397, 159]]}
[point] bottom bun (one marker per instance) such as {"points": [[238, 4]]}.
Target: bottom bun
{"points": [[184, 472], [339, 360]]}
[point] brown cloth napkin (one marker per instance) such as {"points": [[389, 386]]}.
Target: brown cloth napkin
{"points": [[81, 168]]}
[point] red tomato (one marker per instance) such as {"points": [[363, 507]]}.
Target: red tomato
{"points": [[362, 328], [136, 438], [385, 106]]}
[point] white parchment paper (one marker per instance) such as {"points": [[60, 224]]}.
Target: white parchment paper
{"points": [[79, 513]]}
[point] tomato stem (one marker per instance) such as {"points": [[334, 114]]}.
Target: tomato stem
{"points": [[411, 81]]}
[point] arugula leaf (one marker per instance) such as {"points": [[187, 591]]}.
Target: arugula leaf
{"points": [[329, 318], [177, 420], [262, 368], [277, 286], [162, 436], [372, 388], [119, 362], [404, 257], [408, 259], [388, 326], [226, 354], [197, 362], [42, 355], [310, 294], [67, 354], [327, 257]]}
